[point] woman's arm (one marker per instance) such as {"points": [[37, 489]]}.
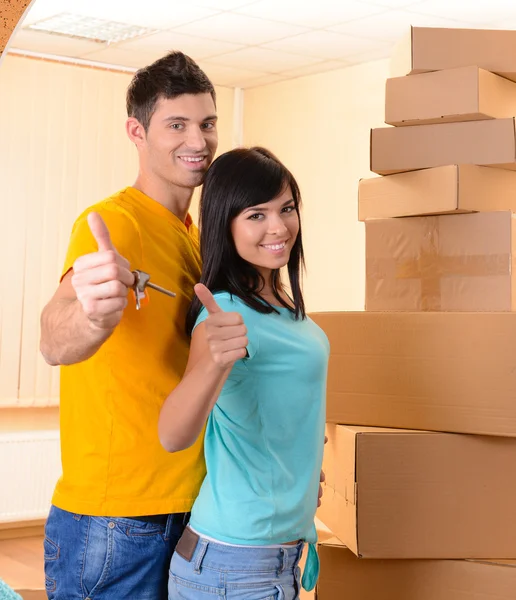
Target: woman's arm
{"points": [[216, 345]]}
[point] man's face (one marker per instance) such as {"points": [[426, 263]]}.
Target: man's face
{"points": [[181, 141]]}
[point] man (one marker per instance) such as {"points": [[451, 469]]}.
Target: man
{"points": [[122, 501]]}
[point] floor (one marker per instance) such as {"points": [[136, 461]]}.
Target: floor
{"points": [[21, 566]]}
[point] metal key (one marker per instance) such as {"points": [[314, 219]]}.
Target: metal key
{"points": [[142, 281]]}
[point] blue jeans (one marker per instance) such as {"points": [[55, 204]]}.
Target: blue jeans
{"points": [[217, 571], [104, 558]]}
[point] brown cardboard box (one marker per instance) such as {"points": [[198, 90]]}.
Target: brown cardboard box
{"points": [[447, 262], [434, 49], [393, 493], [441, 190], [428, 370], [464, 94], [399, 149], [343, 575]]}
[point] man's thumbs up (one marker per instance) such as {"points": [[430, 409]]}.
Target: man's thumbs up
{"points": [[102, 279], [100, 232]]}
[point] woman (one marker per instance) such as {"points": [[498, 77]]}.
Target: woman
{"points": [[257, 375]]}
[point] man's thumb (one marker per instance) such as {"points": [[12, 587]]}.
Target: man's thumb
{"points": [[100, 232]]}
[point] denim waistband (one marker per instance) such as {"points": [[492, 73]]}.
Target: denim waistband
{"points": [[221, 556]]}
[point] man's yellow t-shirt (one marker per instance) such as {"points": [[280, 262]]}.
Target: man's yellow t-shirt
{"points": [[113, 462]]}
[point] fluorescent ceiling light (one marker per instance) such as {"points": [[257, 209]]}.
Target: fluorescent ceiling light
{"points": [[90, 28]]}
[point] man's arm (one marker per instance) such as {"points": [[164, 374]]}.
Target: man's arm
{"points": [[88, 304]]}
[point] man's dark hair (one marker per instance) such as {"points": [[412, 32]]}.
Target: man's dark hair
{"points": [[169, 77]]}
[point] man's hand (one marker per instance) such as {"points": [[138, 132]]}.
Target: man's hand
{"points": [[101, 280], [225, 331]]}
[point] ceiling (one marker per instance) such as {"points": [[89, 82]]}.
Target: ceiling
{"points": [[247, 43]]}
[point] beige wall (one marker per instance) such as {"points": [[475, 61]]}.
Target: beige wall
{"points": [[319, 126], [63, 147]]}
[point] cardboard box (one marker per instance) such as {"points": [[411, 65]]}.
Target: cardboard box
{"points": [[392, 493], [435, 49], [343, 575], [464, 94], [447, 263], [399, 149], [441, 190], [436, 371]]}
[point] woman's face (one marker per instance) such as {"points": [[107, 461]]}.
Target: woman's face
{"points": [[265, 234]]}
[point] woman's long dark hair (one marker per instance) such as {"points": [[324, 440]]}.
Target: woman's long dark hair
{"points": [[240, 179]]}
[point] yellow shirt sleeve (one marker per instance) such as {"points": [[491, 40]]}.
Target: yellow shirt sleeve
{"points": [[123, 230]]}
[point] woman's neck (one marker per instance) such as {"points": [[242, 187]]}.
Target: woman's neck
{"points": [[268, 295]]}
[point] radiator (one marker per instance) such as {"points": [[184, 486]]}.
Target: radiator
{"points": [[30, 466]]}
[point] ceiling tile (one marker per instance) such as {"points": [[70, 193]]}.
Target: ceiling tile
{"points": [[116, 56], [43, 9], [47, 43], [310, 14], [392, 3], [481, 13], [152, 13], [504, 24], [262, 59], [322, 67], [223, 4], [323, 44], [392, 25], [240, 29], [165, 41]]}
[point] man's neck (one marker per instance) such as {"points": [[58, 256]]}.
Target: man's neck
{"points": [[175, 199]]}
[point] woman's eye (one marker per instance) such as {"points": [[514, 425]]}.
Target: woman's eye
{"points": [[256, 217], [288, 209]]}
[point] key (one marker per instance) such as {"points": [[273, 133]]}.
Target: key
{"points": [[158, 288], [141, 281]]}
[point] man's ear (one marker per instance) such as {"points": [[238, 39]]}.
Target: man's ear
{"points": [[135, 131]]}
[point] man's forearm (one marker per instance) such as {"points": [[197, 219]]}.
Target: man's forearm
{"points": [[67, 335]]}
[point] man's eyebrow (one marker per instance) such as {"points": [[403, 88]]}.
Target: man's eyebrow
{"points": [[177, 118]]}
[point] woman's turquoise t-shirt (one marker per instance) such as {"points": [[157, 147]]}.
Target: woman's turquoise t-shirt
{"points": [[265, 436]]}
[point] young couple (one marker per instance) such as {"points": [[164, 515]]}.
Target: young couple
{"points": [[215, 398]]}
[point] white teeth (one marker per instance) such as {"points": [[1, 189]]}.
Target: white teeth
{"points": [[274, 246], [192, 159]]}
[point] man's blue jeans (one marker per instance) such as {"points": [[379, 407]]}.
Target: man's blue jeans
{"points": [[101, 558]]}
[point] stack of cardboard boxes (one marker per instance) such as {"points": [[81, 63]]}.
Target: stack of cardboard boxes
{"points": [[424, 511]]}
